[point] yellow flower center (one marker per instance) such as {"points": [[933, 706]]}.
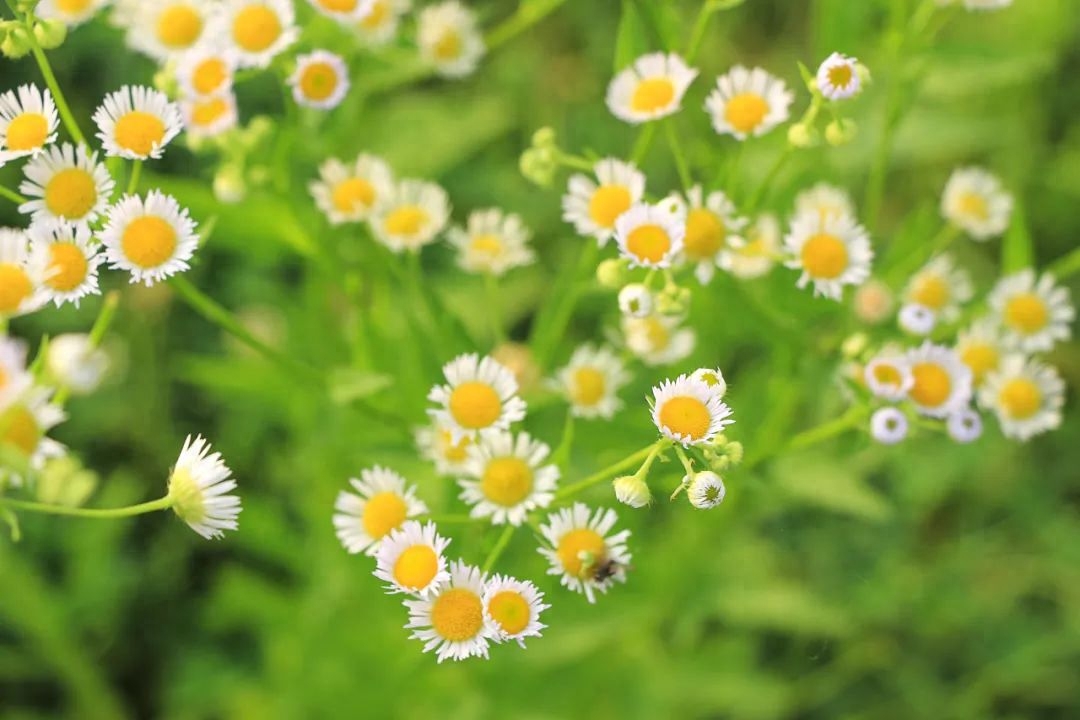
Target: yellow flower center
{"points": [[67, 267], [887, 375], [686, 416], [209, 112], [416, 567], [15, 287], [824, 257], [588, 386], [931, 291], [339, 6], [973, 204], [608, 203], [73, 7], [840, 76], [652, 94], [353, 194], [746, 111], [139, 132], [148, 241], [490, 245], [981, 358], [1020, 398], [447, 47], [380, 11], [27, 132], [705, 234], [188, 500], [580, 551], [407, 220], [209, 76], [19, 427], [475, 405], [510, 610], [649, 243], [256, 28], [71, 193], [457, 615], [383, 512], [179, 26], [1026, 313], [318, 81], [932, 385], [507, 481], [454, 453]]}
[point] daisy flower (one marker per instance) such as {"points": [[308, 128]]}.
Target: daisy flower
{"points": [[581, 552], [507, 477], [651, 235], [66, 183], [152, 239], [382, 504], [28, 122], [452, 621], [636, 301], [69, 12], [874, 302], [164, 29], [838, 77], [380, 26], [438, 445], [479, 394], [200, 487], [980, 347], [411, 559], [658, 339], [591, 382], [137, 122], [825, 200], [492, 242], [831, 251], [1026, 395], [76, 363], [209, 116], [449, 38], [344, 11], [349, 193], [748, 103], [705, 490], [975, 201], [941, 383], [513, 608], [888, 425], [69, 258], [941, 287], [25, 425], [21, 275], [712, 231], [259, 30], [964, 426], [651, 88], [411, 216], [888, 376], [320, 80], [594, 206], [14, 379], [917, 320], [1034, 312], [205, 72], [689, 411], [759, 252]]}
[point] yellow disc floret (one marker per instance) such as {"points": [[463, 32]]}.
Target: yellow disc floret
{"points": [[475, 405], [148, 241], [416, 567], [383, 512], [686, 416], [457, 615], [507, 481]]}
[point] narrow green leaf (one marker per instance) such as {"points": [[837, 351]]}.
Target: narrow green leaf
{"points": [[1017, 249]]}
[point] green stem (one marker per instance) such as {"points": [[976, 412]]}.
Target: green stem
{"points": [[500, 546], [733, 170], [133, 178], [687, 464], [494, 309], [97, 513], [766, 184], [1066, 265], [527, 15], [677, 152], [642, 144], [562, 453], [54, 87], [854, 416], [645, 454], [697, 35], [12, 196], [575, 162]]}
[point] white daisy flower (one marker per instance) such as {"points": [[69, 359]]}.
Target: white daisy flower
{"points": [[748, 103], [591, 382], [200, 487], [705, 490], [350, 193], [210, 116], [25, 424], [259, 30], [28, 122], [651, 88], [888, 425], [152, 239], [981, 348], [636, 301], [1026, 395], [479, 394], [320, 81], [825, 200], [689, 411], [449, 38], [594, 206], [940, 286], [941, 383], [344, 11], [382, 503], [759, 252], [714, 378], [838, 77], [452, 621], [506, 477], [137, 122], [651, 235], [492, 242], [964, 426], [164, 29], [411, 559], [21, 275], [888, 376], [917, 320], [438, 445], [411, 216], [513, 608], [69, 12], [70, 259], [975, 201], [1035, 313], [874, 302], [76, 363], [658, 339], [380, 26], [712, 231], [206, 71], [831, 251], [66, 183], [581, 552], [14, 378]]}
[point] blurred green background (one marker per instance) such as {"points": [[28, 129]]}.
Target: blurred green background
{"points": [[851, 581]]}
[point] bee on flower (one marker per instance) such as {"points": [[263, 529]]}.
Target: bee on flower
{"points": [[351, 192], [831, 251], [976, 202], [320, 81], [506, 476], [591, 382], [492, 242], [450, 39], [28, 122], [652, 87], [593, 206], [383, 501], [582, 553], [748, 103], [1034, 312], [200, 488]]}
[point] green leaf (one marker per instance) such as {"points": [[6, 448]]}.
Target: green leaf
{"points": [[1017, 249], [349, 384], [829, 485]]}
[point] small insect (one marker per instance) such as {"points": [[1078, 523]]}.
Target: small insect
{"points": [[606, 569]]}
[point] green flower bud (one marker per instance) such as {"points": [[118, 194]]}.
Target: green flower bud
{"points": [[735, 452], [229, 184], [544, 139], [611, 273], [801, 135], [16, 44], [632, 490], [539, 166], [840, 132], [50, 34]]}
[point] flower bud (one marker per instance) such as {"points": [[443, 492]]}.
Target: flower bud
{"points": [[229, 185], [74, 362], [705, 490], [544, 138], [840, 132], [611, 273], [632, 490], [50, 34], [16, 44], [636, 301], [735, 452], [854, 345], [801, 135], [538, 166]]}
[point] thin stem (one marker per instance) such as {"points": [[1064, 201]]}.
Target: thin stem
{"points": [[687, 463], [133, 178], [96, 513], [54, 87], [562, 452], [575, 162], [766, 184], [527, 15], [500, 546], [733, 169], [643, 143], [645, 454], [828, 430], [494, 309], [697, 35], [677, 152], [12, 196]]}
